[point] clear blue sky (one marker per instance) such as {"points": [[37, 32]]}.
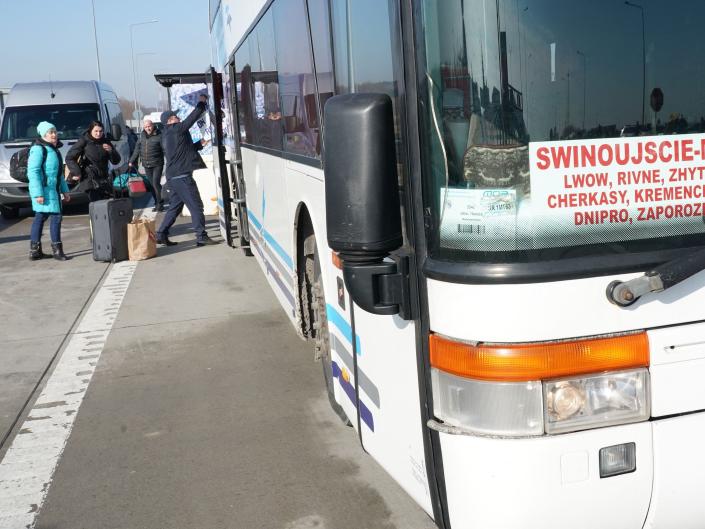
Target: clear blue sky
{"points": [[43, 38]]}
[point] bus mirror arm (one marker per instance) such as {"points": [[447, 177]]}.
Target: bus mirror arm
{"points": [[380, 287], [662, 277]]}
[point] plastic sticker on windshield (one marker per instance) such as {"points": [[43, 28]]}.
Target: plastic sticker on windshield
{"points": [[484, 219], [595, 191]]}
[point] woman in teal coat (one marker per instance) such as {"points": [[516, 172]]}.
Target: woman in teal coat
{"points": [[48, 189]]}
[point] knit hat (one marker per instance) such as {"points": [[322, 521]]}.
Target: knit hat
{"points": [[44, 127], [166, 115]]}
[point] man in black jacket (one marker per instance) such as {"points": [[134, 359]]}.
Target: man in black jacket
{"points": [[149, 150], [181, 159]]}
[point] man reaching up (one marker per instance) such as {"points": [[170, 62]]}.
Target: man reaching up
{"points": [[181, 159]]}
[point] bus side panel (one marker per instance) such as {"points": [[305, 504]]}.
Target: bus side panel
{"points": [[546, 483], [390, 408], [266, 210], [305, 186], [385, 347], [237, 16]]}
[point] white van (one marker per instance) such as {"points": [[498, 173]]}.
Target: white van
{"points": [[71, 106], [3, 96]]}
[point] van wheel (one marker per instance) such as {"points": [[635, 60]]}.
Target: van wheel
{"points": [[9, 212], [321, 336]]}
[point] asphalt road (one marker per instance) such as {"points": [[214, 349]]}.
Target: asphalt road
{"points": [[205, 410]]}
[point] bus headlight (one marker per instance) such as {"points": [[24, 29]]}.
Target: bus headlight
{"points": [[573, 404]]}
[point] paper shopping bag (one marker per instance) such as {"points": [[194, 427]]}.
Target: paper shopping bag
{"points": [[141, 239]]}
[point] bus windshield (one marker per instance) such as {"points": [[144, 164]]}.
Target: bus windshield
{"points": [[71, 121], [557, 129]]}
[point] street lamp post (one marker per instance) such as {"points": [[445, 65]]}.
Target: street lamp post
{"points": [[643, 59], [132, 55], [95, 38], [584, 83]]}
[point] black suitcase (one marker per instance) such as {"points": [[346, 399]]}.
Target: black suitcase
{"points": [[109, 220]]}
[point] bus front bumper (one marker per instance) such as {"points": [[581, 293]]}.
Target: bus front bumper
{"points": [[554, 481]]}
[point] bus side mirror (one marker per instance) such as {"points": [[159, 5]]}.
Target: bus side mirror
{"points": [[115, 132], [363, 215]]}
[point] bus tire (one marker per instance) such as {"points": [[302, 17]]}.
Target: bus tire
{"points": [[321, 336]]}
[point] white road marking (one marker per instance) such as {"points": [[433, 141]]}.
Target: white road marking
{"points": [[28, 467]]}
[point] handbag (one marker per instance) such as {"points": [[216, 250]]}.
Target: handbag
{"points": [[136, 186]]}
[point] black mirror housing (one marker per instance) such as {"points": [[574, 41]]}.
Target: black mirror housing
{"points": [[115, 132], [363, 217]]}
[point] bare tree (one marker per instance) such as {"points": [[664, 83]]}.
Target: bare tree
{"points": [[127, 107]]}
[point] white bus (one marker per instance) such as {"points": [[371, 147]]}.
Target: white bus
{"points": [[488, 216]]}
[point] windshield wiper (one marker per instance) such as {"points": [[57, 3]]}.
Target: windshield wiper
{"points": [[658, 279]]}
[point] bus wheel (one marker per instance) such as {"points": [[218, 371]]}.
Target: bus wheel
{"points": [[321, 336]]}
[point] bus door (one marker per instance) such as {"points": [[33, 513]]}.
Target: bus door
{"points": [[223, 186], [241, 238]]}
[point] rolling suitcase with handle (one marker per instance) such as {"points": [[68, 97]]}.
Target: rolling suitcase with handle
{"points": [[109, 220]]}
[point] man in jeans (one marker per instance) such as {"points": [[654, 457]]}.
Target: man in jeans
{"points": [[181, 159]]}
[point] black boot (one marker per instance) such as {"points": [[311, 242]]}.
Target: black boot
{"points": [[35, 251], [43, 255], [57, 249]]}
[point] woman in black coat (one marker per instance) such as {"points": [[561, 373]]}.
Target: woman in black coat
{"points": [[95, 152]]}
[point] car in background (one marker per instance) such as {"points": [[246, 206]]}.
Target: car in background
{"points": [[71, 106]]}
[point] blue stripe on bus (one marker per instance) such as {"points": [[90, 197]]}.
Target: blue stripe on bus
{"points": [[365, 413], [337, 319], [284, 256], [274, 273], [221, 203], [254, 220], [333, 315], [271, 240]]}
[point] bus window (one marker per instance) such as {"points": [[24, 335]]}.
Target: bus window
{"points": [[243, 65], [533, 126], [361, 47], [320, 36], [267, 122], [259, 110], [297, 85]]}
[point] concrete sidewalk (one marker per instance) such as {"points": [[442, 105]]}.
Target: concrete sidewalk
{"points": [[206, 410], [39, 304]]}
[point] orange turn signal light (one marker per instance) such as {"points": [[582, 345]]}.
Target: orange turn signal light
{"points": [[537, 361], [337, 261]]}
